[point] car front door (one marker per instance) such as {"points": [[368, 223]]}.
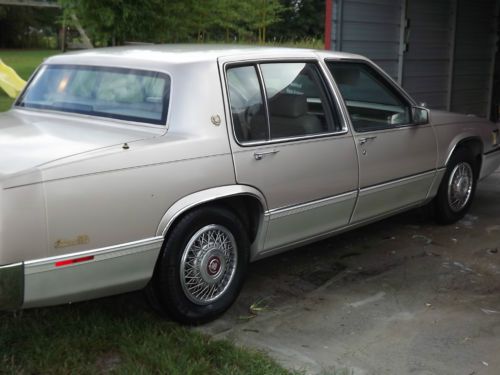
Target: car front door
{"points": [[290, 142], [397, 158]]}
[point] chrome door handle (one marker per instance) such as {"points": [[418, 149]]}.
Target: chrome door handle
{"points": [[260, 155], [363, 140]]}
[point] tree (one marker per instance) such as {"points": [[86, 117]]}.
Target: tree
{"points": [[228, 16], [25, 27], [117, 21], [108, 21], [263, 13], [301, 19]]}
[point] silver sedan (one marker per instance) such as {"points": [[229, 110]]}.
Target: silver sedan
{"points": [[173, 167]]}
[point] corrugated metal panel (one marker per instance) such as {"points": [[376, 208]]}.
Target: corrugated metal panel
{"points": [[427, 61], [449, 62], [474, 56], [370, 28]]}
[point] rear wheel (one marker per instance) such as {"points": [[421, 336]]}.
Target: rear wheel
{"points": [[457, 188], [202, 266]]}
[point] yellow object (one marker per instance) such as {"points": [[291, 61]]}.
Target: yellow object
{"points": [[10, 82]]}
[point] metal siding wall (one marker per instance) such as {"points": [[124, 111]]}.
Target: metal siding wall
{"points": [[427, 61], [474, 54], [370, 28], [451, 52]]}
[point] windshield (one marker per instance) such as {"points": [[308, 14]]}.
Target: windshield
{"points": [[126, 94]]}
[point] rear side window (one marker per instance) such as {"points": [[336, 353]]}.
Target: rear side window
{"points": [[293, 104], [127, 94]]}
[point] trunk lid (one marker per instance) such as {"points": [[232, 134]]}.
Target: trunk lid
{"points": [[30, 139]]}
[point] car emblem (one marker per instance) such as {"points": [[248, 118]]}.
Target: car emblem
{"points": [[215, 120], [80, 240]]}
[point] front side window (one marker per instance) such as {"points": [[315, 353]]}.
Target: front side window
{"points": [[372, 102], [126, 94], [297, 102]]}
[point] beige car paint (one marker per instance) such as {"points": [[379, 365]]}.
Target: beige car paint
{"points": [[125, 199]]}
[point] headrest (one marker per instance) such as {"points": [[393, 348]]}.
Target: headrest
{"points": [[288, 105], [346, 75]]}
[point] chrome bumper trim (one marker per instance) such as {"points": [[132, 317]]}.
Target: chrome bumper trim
{"points": [[11, 286], [491, 161]]}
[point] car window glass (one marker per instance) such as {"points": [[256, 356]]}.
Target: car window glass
{"points": [[247, 108], [297, 100], [371, 101], [100, 91]]}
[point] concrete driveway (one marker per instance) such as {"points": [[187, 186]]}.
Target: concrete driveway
{"points": [[403, 296]]}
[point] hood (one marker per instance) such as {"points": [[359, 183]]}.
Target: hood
{"points": [[31, 139], [443, 117]]}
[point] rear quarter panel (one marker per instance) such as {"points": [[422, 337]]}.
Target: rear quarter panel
{"points": [[118, 195]]}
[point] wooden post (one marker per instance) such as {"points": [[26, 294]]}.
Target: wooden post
{"points": [[83, 34], [328, 25], [63, 37]]}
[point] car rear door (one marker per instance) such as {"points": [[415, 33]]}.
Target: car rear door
{"points": [[290, 141], [397, 158]]}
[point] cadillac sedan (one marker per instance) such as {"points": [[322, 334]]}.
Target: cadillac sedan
{"points": [[173, 167]]}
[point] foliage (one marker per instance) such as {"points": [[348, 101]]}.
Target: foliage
{"points": [[301, 19], [26, 27], [117, 21], [113, 22]]}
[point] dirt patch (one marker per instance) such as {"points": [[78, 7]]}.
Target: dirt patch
{"points": [[402, 296], [108, 362], [320, 276]]}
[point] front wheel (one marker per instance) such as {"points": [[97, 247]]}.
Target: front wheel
{"points": [[457, 188], [202, 266]]}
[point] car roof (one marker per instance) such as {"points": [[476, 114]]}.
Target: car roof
{"points": [[188, 53]]}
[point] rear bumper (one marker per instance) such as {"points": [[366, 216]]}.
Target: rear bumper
{"points": [[491, 161], [11, 286], [78, 276]]}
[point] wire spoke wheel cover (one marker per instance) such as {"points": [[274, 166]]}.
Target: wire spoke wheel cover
{"points": [[208, 264], [460, 186]]}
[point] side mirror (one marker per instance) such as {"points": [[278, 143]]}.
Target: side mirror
{"points": [[420, 115]]}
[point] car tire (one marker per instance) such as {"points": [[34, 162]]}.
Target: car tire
{"points": [[457, 188], [202, 266]]}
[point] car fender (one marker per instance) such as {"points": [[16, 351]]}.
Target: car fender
{"points": [[457, 140]]}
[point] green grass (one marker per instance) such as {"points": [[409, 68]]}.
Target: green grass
{"points": [[116, 335], [24, 62], [5, 102], [303, 43]]}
